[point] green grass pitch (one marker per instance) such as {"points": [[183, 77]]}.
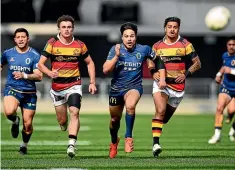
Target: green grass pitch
{"points": [[184, 144]]}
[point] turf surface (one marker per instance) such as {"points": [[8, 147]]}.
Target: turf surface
{"points": [[184, 143]]}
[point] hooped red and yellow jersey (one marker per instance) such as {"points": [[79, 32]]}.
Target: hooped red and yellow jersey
{"points": [[65, 59], [176, 57]]}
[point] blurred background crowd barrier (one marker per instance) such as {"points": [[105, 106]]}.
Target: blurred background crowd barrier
{"points": [[97, 25]]}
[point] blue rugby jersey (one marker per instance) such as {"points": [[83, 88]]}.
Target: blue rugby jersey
{"points": [[229, 79], [23, 62], [128, 70]]}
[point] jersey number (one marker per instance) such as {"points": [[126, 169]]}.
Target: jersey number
{"points": [[27, 60]]}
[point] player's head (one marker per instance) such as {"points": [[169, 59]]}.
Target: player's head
{"points": [[21, 37], [65, 24], [172, 26], [129, 34], [231, 45]]}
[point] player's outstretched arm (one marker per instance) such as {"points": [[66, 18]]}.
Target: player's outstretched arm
{"points": [[44, 69], [110, 64], [91, 72]]}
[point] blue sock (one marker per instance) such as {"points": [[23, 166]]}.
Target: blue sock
{"points": [[129, 124]]}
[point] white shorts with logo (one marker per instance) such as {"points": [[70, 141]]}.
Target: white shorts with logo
{"points": [[61, 97], [175, 97]]}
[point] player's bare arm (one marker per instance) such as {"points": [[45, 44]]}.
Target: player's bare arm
{"points": [[162, 78], [219, 75], [194, 67], [151, 67], [159, 75], [41, 65], [91, 72], [36, 75], [229, 70], [110, 64]]}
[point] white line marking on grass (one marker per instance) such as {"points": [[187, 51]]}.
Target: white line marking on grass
{"points": [[55, 128], [49, 143]]}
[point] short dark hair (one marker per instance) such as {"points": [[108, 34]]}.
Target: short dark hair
{"points": [[65, 18], [172, 19], [21, 30], [230, 38], [128, 25]]}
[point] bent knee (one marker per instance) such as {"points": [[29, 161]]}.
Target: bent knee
{"points": [[220, 109], [8, 112], [160, 111], [130, 109], [28, 127]]}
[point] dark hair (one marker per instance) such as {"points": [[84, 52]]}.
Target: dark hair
{"points": [[21, 30], [65, 18], [231, 38], [128, 25], [172, 19]]}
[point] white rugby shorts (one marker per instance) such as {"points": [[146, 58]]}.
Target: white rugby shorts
{"points": [[175, 97], [61, 97]]}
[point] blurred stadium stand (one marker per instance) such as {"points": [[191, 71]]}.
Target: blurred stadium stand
{"points": [[98, 23]]}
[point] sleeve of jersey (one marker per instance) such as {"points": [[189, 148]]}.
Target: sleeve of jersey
{"points": [[223, 58], [111, 53], [47, 51], [190, 51], [35, 62], [85, 52], [150, 53], [3, 58], [159, 64]]}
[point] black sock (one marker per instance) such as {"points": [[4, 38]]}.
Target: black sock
{"points": [[113, 128], [233, 125], [72, 137], [26, 137], [11, 118]]}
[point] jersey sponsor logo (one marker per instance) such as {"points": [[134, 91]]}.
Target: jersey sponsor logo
{"points": [[224, 90], [138, 56], [61, 58], [11, 92], [76, 52], [12, 59], [113, 100], [20, 68], [166, 59], [130, 64], [233, 63], [31, 104], [179, 52], [152, 55], [57, 52]]}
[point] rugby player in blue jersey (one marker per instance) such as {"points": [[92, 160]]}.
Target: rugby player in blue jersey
{"points": [[20, 88], [125, 60], [227, 91], [230, 106]]}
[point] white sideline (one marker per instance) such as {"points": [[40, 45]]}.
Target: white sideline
{"points": [[48, 143]]}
